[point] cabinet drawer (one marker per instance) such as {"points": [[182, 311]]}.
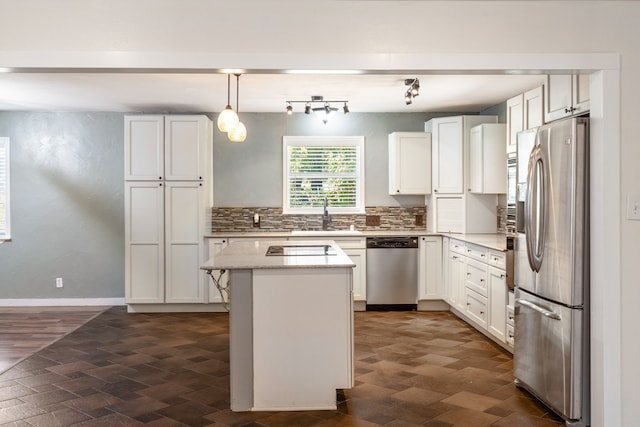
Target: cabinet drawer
{"points": [[477, 277], [497, 259], [476, 307], [476, 252], [511, 317], [510, 335], [458, 247]]}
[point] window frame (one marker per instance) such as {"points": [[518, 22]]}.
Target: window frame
{"points": [[5, 146], [325, 141]]}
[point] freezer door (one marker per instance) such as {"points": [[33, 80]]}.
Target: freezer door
{"points": [[548, 359], [556, 216]]}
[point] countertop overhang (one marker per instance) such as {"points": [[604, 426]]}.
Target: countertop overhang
{"points": [[252, 254]]}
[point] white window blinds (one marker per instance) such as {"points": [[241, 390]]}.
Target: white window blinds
{"points": [[5, 229], [323, 167]]}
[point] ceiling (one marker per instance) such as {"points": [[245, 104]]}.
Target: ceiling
{"points": [[200, 92]]}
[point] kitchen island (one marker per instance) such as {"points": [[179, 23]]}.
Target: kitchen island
{"points": [[290, 323]]}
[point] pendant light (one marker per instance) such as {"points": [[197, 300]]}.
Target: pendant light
{"points": [[227, 119], [239, 132]]}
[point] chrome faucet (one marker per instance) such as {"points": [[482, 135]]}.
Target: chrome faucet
{"points": [[326, 219]]}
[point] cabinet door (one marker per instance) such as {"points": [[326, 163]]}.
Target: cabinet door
{"points": [[457, 273], [533, 109], [430, 268], [143, 148], [144, 242], [359, 257], [185, 147], [215, 246], [581, 92], [558, 97], [409, 163], [515, 124], [447, 152], [449, 214], [497, 323], [183, 247]]}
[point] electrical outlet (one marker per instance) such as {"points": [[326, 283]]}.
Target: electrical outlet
{"points": [[59, 283], [633, 206]]}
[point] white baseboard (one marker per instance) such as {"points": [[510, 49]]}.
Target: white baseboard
{"points": [[58, 302]]}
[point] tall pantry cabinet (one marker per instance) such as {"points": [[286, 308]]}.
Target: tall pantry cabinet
{"points": [[168, 195]]}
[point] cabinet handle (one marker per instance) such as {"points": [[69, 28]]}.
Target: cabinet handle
{"points": [[397, 191], [502, 276], [482, 280], [200, 184], [435, 190], [159, 177], [160, 185], [454, 257], [570, 109], [482, 255], [200, 177], [482, 313]]}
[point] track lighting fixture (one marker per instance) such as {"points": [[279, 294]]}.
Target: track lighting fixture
{"points": [[413, 91], [227, 119], [324, 113]]}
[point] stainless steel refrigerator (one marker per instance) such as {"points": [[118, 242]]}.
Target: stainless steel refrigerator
{"points": [[551, 355]]}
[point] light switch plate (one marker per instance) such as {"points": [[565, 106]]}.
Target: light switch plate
{"points": [[633, 206]]}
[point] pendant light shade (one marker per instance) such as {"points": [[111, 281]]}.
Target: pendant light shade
{"points": [[239, 132], [228, 119]]}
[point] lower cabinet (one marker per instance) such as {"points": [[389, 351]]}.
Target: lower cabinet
{"points": [[164, 247], [476, 288], [430, 268]]}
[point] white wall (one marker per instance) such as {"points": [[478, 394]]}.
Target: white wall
{"points": [[183, 33]]}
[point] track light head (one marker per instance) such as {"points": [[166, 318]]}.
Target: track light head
{"points": [[289, 109], [307, 108], [413, 91], [345, 109], [408, 98]]}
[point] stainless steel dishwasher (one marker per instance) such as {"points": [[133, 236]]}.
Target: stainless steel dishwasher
{"points": [[392, 273]]}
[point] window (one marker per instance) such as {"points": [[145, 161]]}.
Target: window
{"points": [[5, 230], [316, 168]]}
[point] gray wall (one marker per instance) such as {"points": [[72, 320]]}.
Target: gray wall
{"points": [[67, 206], [67, 202], [250, 174]]}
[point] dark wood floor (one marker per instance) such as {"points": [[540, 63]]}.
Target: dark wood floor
{"points": [[119, 369]]}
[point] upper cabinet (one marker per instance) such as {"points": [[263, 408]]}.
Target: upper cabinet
{"points": [[409, 163], [566, 95], [487, 159], [166, 147], [524, 111]]}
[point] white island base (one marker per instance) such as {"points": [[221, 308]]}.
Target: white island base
{"points": [[290, 333]]}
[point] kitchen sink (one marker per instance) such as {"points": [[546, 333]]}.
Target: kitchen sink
{"points": [[326, 233]]}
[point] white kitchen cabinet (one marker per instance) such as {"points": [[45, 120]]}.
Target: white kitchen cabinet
{"points": [[533, 102], [430, 268], [487, 159], [144, 237], [214, 248], [515, 121], [476, 308], [451, 207], [497, 284], [185, 212], [457, 273], [566, 95], [409, 163], [524, 111], [143, 148], [168, 183]]}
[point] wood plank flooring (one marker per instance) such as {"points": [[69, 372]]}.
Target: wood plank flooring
{"points": [[120, 369]]}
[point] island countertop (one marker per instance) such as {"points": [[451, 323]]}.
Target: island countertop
{"points": [[243, 255]]}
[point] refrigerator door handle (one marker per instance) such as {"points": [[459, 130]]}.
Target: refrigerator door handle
{"points": [[535, 208], [535, 307]]}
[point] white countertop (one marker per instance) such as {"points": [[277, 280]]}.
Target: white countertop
{"points": [[497, 241], [251, 254]]}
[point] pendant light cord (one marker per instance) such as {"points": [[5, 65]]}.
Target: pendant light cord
{"points": [[237, 93], [228, 89]]}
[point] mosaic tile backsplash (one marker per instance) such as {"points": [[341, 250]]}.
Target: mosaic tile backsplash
{"points": [[272, 219]]}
